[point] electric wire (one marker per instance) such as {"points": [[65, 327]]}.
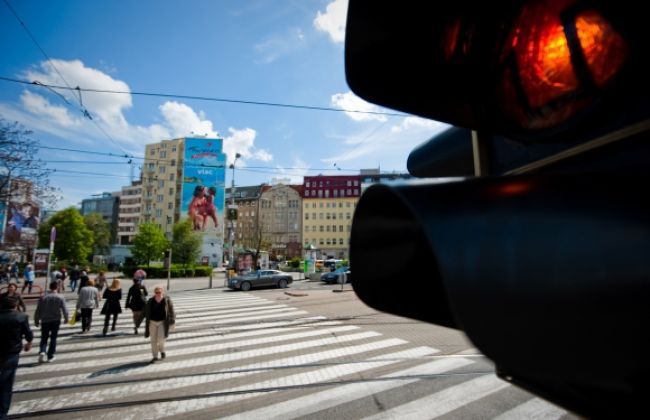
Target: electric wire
{"points": [[207, 98], [83, 110]]}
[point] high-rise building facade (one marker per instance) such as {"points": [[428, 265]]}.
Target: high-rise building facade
{"points": [[162, 177], [184, 178], [129, 213], [107, 205], [327, 209]]}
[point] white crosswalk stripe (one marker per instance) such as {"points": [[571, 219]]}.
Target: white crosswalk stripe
{"points": [[231, 349]]}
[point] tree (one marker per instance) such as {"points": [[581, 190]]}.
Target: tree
{"points": [[18, 151], [74, 241], [186, 245], [149, 243], [101, 232]]}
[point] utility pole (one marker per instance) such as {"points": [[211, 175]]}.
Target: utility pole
{"points": [[232, 205]]}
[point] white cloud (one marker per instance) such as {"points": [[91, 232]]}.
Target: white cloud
{"points": [[352, 102], [178, 119], [243, 142], [183, 121], [279, 45], [107, 107], [417, 123], [333, 20], [386, 145], [38, 105]]}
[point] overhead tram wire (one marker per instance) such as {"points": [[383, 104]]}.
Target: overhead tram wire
{"points": [[207, 98]]}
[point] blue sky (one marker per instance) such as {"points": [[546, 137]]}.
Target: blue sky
{"points": [[287, 52]]}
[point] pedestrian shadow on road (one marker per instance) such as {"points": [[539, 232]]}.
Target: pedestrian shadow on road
{"points": [[119, 369]]}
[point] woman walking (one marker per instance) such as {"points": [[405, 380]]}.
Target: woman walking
{"points": [[160, 317], [100, 281], [112, 295], [88, 300], [136, 300]]}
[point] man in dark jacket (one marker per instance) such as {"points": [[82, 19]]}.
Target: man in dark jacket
{"points": [[135, 300], [48, 314], [14, 326]]}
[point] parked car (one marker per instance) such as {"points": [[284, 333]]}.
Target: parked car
{"points": [[260, 278], [333, 276]]}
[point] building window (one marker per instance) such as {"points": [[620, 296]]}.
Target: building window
{"points": [[333, 216], [320, 193], [322, 228], [169, 220], [347, 216], [320, 241], [151, 166], [340, 228], [327, 193], [171, 191], [340, 241], [163, 154], [161, 183], [307, 184], [356, 183], [328, 216], [158, 212], [336, 193], [159, 198], [170, 206], [161, 170], [306, 216], [173, 148], [173, 162], [327, 228]]}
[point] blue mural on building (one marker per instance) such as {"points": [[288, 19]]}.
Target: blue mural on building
{"points": [[203, 194]]}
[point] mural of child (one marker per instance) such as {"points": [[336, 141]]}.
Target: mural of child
{"points": [[196, 209], [210, 208]]}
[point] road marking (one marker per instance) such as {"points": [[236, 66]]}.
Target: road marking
{"points": [[183, 349], [120, 372], [535, 408], [303, 406], [444, 401]]}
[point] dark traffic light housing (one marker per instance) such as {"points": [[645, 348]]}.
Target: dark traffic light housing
{"points": [[540, 252]]}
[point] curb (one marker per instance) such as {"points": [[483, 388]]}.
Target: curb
{"points": [[296, 294]]}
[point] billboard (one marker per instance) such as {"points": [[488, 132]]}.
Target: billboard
{"points": [[203, 194], [22, 220]]}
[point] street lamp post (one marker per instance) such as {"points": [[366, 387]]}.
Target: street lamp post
{"points": [[232, 203]]}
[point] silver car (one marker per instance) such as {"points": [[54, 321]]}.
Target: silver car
{"points": [[260, 278]]}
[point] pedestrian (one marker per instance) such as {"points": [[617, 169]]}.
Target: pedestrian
{"points": [[141, 275], [48, 315], [83, 278], [56, 276], [64, 275], [29, 278], [14, 271], [136, 300], [14, 327], [74, 277], [12, 291], [100, 281], [88, 300], [160, 318], [112, 297]]}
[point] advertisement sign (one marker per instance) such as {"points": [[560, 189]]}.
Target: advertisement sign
{"points": [[203, 194], [22, 223]]}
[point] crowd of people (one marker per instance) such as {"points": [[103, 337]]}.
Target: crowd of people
{"points": [[157, 313]]}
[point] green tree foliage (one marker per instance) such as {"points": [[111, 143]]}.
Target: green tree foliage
{"points": [[149, 243], [74, 241], [186, 245], [101, 232]]}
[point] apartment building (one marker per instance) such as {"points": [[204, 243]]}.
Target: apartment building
{"points": [[162, 177], [281, 219], [327, 209], [129, 212]]}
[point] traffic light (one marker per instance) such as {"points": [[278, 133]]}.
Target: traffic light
{"points": [[543, 259], [232, 213]]}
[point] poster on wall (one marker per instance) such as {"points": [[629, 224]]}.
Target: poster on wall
{"points": [[22, 220], [204, 177]]}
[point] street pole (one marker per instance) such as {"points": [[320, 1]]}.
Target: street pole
{"points": [[49, 256], [169, 268], [232, 203]]}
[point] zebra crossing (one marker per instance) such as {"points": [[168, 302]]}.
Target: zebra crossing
{"points": [[241, 356]]}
